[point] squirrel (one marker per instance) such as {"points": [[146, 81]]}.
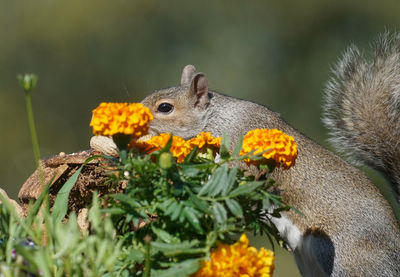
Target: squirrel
{"points": [[346, 227]]}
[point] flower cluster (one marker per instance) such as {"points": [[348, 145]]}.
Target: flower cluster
{"points": [[180, 148], [238, 259], [274, 144], [205, 140], [121, 118]]}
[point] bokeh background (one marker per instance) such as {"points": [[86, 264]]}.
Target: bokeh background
{"points": [[277, 53]]}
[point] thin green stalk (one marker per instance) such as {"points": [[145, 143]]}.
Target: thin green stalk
{"points": [[147, 265], [32, 128]]}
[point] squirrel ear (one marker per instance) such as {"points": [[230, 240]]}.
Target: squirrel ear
{"points": [[199, 89], [187, 74]]}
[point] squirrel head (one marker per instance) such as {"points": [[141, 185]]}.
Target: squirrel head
{"points": [[181, 110]]}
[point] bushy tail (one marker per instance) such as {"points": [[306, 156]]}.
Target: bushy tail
{"points": [[362, 108]]}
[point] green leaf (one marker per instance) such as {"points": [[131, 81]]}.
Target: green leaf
{"points": [[234, 207], [172, 207], [60, 206], [230, 181], [215, 184], [190, 170], [224, 149], [246, 188], [34, 209], [219, 212], [177, 212], [192, 218], [220, 183], [125, 199], [182, 269], [198, 203], [238, 147], [266, 203], [163, 235], [31, 257], [41, 262], [191, 155], [166, 204], [173, 249], [114, 211]]}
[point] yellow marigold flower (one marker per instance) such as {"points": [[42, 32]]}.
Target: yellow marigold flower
{"points": [[179, 148], [121, 118], [203, 140], [238, 259], [277, 145]]}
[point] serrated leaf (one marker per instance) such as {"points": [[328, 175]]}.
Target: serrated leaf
{"points": [[214, 186], [166, 204], [266, 203], [230, 181], [234, 207], [191, 155], [113, 211], [246, 188], [190, 171], [173, 249], [238, 147], [177, 212], [193, 220], [125, 199], [174, 205], [199, 204], [163, 235], [185, 268], [220, 183], [224, 149], [219, 212]]}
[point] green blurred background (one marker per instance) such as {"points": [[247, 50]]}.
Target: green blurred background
{"points": [[277, 53]]}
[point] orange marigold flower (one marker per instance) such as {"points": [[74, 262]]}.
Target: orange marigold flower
{"points": [[203, 140], [179, 148], [238, 259], [277, 145], [121, 118]]}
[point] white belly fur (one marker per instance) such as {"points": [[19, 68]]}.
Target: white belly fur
{"points": [[300, 245]]}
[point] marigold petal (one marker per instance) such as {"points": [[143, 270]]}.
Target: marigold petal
{"points": [[238, 259], [113, 118], [277, 145]]}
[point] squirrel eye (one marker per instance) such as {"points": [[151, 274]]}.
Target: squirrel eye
{"points": [[165, 108]]}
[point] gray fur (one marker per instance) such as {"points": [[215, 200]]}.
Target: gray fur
{"points": [[362, 108]]}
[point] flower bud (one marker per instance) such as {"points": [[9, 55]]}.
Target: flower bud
{"points": [[165, 160], [27, 81]]}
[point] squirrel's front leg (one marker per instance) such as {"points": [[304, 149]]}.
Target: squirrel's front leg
{"points": [[104, 145]]}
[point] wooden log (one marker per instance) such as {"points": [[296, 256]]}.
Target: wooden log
{"points": [[58, 169]]}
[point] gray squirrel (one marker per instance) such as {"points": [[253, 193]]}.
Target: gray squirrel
{"points": [[346, 228]]}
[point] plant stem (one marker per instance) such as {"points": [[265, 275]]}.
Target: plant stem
{"points": [[147, 265], [32, 128], [35, 144]]}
